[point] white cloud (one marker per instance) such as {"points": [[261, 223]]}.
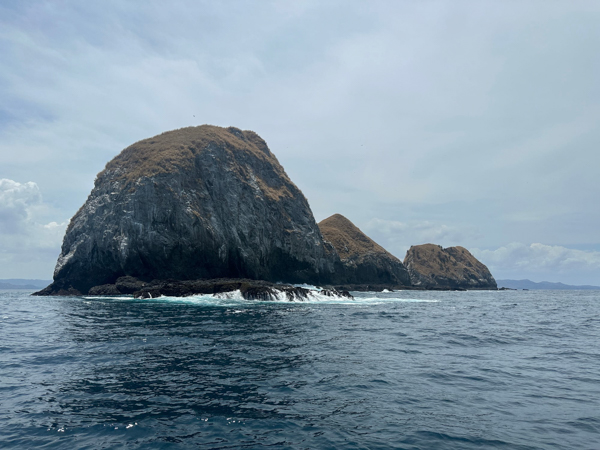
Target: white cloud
{"points": [[542, 262], [28, 247], [397, 237], [16, 200]]}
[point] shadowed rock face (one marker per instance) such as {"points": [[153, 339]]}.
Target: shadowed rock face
{"points": [[364, 261], [199, 202], [431, 266]]}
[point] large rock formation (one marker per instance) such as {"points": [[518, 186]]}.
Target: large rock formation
{"points": [[433, 267], [195, 203], [364, 261]]}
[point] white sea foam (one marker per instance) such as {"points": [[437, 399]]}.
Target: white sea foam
{"points": [[235, 298], [310, 287], [392, 300], [313, 296]]}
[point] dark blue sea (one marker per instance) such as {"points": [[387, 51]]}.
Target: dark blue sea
{"points": [[407, 370]]}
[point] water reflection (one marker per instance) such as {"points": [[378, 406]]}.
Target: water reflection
{"points": [[471, 371], [170, 360]]}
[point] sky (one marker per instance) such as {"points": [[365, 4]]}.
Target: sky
{"points": [[470, 123]]}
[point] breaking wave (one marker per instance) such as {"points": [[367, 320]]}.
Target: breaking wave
{"points": [[232, 298]]}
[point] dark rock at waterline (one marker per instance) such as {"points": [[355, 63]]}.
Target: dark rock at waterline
{"points": [[105, 289], [124, 285], [364, 261], [433, 267], [177, 288], [195, 203], [249, 289], [129, 285], [58, 290]]}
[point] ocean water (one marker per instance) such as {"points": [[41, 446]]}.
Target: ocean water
{"points": [[411, 370]]}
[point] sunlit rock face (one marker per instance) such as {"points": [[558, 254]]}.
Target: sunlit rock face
{"points": [[199, 202], [431, 266], [364, 261]]}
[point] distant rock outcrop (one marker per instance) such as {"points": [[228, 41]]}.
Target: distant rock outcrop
{"points": [[433, 267], [364, 261], [195, 203]]}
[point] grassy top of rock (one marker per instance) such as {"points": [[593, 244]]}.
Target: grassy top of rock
{"points": [[347, 239], [435, 261], [176, 151]]}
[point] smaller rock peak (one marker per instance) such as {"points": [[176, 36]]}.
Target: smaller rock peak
{"points": [[337, 219], [347, 237], [432, 266], [425, 248], [364, 260]]}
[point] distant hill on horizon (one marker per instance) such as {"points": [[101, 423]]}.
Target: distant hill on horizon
{"points": [[21, 283], [528, 284]]}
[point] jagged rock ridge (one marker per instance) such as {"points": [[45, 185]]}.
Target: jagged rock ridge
{"points": [[433, 267], [195, 203], [364, 261]]}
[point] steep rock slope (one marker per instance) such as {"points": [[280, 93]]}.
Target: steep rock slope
{"points": [[364, 261], [431, 266], [194, 203]]}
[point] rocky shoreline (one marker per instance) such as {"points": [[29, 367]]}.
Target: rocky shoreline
{"points": [[249, 289]]}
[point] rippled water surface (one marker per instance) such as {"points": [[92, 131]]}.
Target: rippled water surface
{"points": [[414, 370]]}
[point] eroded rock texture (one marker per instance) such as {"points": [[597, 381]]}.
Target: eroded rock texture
{"points": [[433, 267], [364, 261], [195, 203]]}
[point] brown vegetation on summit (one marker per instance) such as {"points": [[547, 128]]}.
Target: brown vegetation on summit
{"points": [[364, 261], [176, 150], [348, 240], [431, 265]]}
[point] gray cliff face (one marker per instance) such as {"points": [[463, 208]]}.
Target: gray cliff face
{"points": [[433, 267], [200, 202]]}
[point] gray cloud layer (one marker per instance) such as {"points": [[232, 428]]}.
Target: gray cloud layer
{"points": [[477, 118], [28, 248], [539, 260]]}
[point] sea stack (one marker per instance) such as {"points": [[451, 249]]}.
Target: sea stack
{"points": [[433, 267], [195, 203], [364, 261]]}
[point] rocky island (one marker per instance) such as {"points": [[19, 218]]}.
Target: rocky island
{"points": [[196, 203], [433, 267], [209, 210], [366, 265]]}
